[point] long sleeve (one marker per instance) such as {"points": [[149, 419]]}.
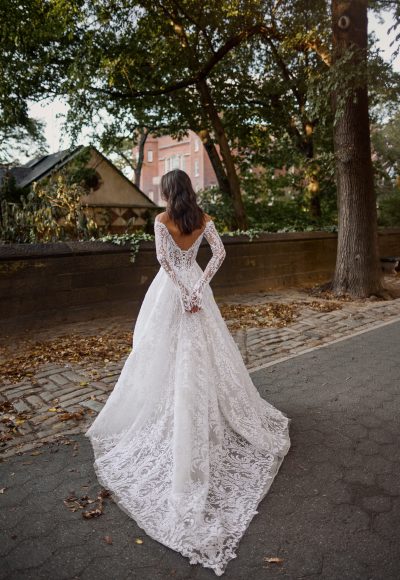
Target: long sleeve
{"points": [[161, 241], [218, 256]]}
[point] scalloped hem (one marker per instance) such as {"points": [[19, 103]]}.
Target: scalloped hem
{"points": [[218, 567]]}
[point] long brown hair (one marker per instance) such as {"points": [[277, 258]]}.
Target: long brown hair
{"points": [[182, 208]]}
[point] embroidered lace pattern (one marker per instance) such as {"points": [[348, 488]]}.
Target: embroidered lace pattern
{"points": [[185, 443], [174, 260]]}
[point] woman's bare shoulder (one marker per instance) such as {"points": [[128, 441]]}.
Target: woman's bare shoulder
{"points": [[208, 217], [162, 217]]}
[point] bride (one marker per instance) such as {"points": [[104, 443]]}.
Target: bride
{"points": [[185, 443]]}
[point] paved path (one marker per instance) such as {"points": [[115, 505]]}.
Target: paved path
{"points": [[333, 512], [38, 404]]}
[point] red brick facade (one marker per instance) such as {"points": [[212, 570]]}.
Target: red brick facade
{"points": [[161, 154]]}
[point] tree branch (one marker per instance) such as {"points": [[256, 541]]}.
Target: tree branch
{"points": [[202, 74]]}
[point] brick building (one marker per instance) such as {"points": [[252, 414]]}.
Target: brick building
{"points": [[161, 154]]}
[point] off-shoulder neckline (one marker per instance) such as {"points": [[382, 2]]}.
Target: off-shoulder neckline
{"points": [[156, 221]]}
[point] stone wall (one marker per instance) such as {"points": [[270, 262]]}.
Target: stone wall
{"points": [[82, 280]]}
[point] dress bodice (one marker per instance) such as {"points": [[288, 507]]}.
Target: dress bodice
{"points": [[180, 259], [177, 262]]}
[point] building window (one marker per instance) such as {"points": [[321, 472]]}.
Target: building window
{"points": [[196, 168], [175, 162], [150, 156], [172, 162], [196, 145]]}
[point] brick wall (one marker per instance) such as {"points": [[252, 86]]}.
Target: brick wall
{"points": [[81, 280]]}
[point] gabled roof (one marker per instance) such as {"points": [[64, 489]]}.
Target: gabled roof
{"points": [[40, 167], [124, 177]]}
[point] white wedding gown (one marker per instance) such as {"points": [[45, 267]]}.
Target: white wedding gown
{"points": [[185, 443]]}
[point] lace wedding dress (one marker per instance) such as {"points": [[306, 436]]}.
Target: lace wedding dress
{"points": [[185, 443]]}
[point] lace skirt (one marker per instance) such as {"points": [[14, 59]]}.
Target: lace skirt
{"points": [[185, 443]]}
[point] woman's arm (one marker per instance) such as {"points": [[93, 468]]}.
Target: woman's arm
{"points": [[218, 256]]}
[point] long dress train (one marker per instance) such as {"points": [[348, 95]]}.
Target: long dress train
{"points": [[185, 443]]}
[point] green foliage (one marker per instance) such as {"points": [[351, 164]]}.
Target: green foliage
{"points": [[16, 141], [9, 190], [270, 210], [138, 64], [132, 239], [385, 139], [49, 213], [214, 203], [389, 210], [35, 40]]}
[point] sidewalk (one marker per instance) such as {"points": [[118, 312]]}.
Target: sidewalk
{"points": [[62, 397], [333, 512]]}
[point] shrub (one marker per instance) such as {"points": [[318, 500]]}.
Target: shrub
{"points": [[47, 214]]}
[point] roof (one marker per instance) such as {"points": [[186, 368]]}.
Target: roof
{"points": [[40, 167]]}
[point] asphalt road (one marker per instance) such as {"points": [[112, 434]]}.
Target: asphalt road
{"points": [[333, 511]]}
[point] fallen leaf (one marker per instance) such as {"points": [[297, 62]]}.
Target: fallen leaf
{"points": [[67, 416], [138, 541], [2, 489], [108, 539], [273, 560], [92, 513]]}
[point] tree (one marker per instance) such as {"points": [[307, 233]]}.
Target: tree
{"points": [[136, 68], [357, 265], [231, 71], [34, 34]]}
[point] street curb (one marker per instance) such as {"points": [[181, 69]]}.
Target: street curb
{"points": [[311, 349]]}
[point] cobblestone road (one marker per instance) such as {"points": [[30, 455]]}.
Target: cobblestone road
{"points": [[39, 403]]}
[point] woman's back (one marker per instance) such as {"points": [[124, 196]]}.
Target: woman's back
{"points": [[183, 241]]}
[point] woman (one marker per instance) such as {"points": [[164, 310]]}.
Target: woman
{"points": [[185, 443]]}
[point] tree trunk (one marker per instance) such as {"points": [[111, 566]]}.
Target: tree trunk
{"points": [[357, 266], [139, 164], [216, 163], [220, 135]]}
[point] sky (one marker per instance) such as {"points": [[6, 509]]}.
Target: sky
{"points": [[50, 112]]}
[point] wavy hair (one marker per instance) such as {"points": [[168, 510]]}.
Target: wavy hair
{"points": [[182, 208]]}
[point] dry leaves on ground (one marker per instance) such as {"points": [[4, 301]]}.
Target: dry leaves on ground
{"points": [[325, 294], [323, 306], [11, 421], [109, 347], [73, 503], [270, 314], [112, 347], [68, 415]]}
